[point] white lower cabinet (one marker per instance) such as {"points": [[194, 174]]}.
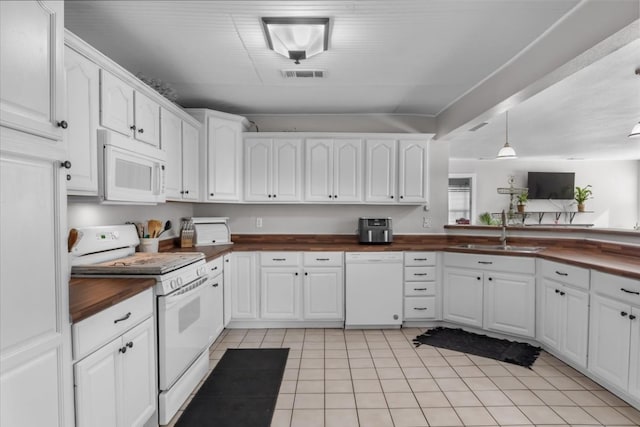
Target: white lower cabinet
{"points": [[244, 286], [116, 384], [215, 298], [227, 272], [323, 293], [496, 293], [280, 293], [420, 286]]}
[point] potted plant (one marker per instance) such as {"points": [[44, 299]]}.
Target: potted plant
{"points": [[523, 198], [582, 194], [486, 219]]}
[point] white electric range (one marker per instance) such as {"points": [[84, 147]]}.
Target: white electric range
{"points": [[181, 290]]}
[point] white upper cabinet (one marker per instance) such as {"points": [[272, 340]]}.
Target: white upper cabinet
{"points": [[127, 111], [273, 170], [116, 104], [147, 120], [380, 181], [190, 171], [333, 170], [31, 57], [171, 142], [83, 106], [412, 171]]}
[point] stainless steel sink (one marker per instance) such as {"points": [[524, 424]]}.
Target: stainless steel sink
{"points": [[508, 248]]}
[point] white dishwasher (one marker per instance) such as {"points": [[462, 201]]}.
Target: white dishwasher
{"points": [[373, 289]]}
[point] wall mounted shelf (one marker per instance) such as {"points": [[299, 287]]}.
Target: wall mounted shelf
{"points": [[541, 214]]}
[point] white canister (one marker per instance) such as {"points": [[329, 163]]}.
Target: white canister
{"points": [[148, 245]]}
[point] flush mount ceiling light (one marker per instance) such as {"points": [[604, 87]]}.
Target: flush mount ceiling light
{"points": [[507, 151], [297, 38]]}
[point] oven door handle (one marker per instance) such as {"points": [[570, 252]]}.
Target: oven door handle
{"points": [[185, 292]]}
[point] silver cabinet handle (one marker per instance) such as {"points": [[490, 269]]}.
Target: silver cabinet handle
{"points": [[123, 318]]}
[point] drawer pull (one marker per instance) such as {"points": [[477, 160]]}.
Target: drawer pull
{"points": [[632, 317], [214, 268], [419, 308], [623, 313], [561, 293], [419, 289], [123, 318], [560, 273], [130, 344], [419, 274], [322, 259], [629, 292], [557, 291], [278, 259], [485, 262], [419, 259], [215, 285], [122, 350]]}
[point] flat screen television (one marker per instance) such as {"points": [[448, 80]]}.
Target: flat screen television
{"points": [[551, 185]]}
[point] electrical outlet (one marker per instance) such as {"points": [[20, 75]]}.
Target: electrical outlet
{"points": [[258, 222], [426, 222]]}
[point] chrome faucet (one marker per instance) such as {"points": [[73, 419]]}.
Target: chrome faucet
{"points": [[503, 236]]}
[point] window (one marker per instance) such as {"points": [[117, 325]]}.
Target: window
{"points": [[461, 199]]}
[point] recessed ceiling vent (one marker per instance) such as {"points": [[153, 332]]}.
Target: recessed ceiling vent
{"points": [[476, 127], [303, 74]]}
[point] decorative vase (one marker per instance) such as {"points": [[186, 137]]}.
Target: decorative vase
{"points": [[580, 207], [520, 208]]}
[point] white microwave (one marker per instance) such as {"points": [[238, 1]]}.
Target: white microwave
{"points": [[129, 171]]}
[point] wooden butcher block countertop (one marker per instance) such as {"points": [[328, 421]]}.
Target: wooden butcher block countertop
{"points": [[90, 295]]}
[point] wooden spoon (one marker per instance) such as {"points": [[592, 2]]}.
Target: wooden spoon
{"points": [[73, 238]]}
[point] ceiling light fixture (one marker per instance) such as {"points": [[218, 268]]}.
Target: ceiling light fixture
{"points": [[297, 38], [507, 151], [635, 132]]}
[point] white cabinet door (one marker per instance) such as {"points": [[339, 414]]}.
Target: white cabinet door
{"points": [[286, 170], [574, 321], [83, 108], [244, 286], [347, 170], [550, 314], [280, 293], [257, 169], [462, 296], [32, 78], [412, 171], [214, 301], [323, 292], [190, 161], [171, 143], [147, 117], [318, 170], [224, 157], [634, 361], [138, 375], [509, 303], [97, 387], [228, 281], [609, 332], [380, 171], [116, 104], [35, 373]]}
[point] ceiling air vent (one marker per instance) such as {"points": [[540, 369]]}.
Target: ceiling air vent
{"points": [[476, 127], [303, 74]]}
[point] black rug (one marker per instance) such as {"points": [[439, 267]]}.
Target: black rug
{"points": [[518, 353], [240, 392]]}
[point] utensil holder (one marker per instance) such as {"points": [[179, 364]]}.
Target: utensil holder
{"points": [[148, 245], [186, 238]]}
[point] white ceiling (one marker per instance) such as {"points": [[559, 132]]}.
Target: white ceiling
{"points": [[385, 56]]}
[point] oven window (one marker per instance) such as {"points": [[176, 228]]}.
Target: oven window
{"points": [[132, 175], [188, 315]]}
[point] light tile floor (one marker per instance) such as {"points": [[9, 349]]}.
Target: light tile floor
{"points": [[372, 378]]}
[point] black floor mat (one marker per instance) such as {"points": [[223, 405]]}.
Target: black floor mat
{"points": [[518, 353], [240, 392]]}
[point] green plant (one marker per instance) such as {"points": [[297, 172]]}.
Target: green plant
{"points": [[523, 198], [486, 219], [583, 194]]}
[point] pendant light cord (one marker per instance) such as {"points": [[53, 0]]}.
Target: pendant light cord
{"points": [[506, 127]]}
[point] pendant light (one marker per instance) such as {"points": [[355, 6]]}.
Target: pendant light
{"points": [[507, 151], [635, 132]]}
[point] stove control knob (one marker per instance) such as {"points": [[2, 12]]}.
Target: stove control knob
{"points": [[179, 281], [172, 283]]}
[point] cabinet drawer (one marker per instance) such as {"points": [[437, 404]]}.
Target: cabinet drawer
{"points": [[323, 259], [419, 258], [567, 274], [621, 288], [280, 259], [97, 330], [419, 308], [419, 289], [511, 264], [419, 274], [214, 267]]}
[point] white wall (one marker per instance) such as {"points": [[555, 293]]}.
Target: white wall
{"points": [[83, 214], [615, 184]]}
